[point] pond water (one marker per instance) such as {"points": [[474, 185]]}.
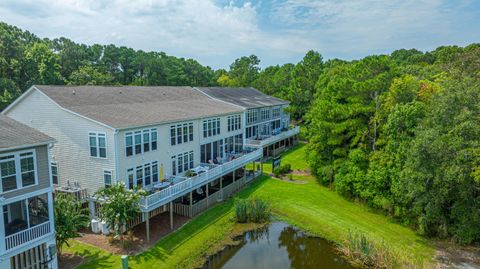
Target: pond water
{"points": [[278, 246]]}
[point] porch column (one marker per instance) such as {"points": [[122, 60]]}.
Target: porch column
{"points": [[51, 217], [191, 204], [146, 216], [171, 215], [207, 195]]}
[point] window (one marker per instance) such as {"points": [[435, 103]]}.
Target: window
{"points": [[181, 133], [211, 127], [8, 173], [251, 131], [128, 144], [144, 141], [182, 162], [209, 152], [153, 136], [17, 170], [28, 169], [138, 142], [186, 163], [130, 178], [190, 154], [251, 116], [234, 123], [173, 135], [98, 145], [54, 169], [155, 172], [265, 114], [190, 131], [139, 176], [148, 174], [107, 178], [234, 143], [276, 112]]}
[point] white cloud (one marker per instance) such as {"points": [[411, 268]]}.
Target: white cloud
{"points": [[277, 31]]}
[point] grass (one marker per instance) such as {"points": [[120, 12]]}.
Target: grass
{"points": [[308, 206]]}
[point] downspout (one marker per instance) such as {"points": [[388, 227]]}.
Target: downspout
{"points": [[115, 153]]}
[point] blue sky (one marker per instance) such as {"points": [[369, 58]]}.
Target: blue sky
{"points": [[216, 32]]}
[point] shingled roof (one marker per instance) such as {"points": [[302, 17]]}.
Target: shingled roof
{"points": [[14, 134], [244, 97], [123, 107]]}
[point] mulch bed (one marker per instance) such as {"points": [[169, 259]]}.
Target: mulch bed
{"points": [[159, 227], [69, 261]]}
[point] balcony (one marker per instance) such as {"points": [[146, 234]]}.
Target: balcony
{"points": [[189, 184], [25, 236], [26, 220], [268, 140]]}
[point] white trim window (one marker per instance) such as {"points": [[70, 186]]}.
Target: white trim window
{"points": [[234, 122], [17, 170], [98, 144], [276, 112], [143, 175], [54, 169], [182, 162], [142, 141], [181, 133], [211, 127], [265, 114], [107, 178], [252, 116]]}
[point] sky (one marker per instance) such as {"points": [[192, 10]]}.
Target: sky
{"points": [[216, 32]]}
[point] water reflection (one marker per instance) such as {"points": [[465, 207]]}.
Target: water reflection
{"points": [[278, 246]]}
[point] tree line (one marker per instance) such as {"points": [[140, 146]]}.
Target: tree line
{"points": [[400, 132]]}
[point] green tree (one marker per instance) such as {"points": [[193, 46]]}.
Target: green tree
{"points": [[244, 71], [89, 75], [41, 65], [70, 217], [302, 83]]}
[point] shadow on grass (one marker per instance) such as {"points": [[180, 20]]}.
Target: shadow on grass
{"points": [[95, 259], [163, 249]]}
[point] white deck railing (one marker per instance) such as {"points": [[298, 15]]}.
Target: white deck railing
{"points": [[173, 192], [25, 236], [272, 139]]}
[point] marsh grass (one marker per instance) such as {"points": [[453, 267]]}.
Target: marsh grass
{"points": [[253, 210], [372, 254]]}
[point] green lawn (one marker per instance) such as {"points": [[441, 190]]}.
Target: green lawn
{"points": [[309, 206]]}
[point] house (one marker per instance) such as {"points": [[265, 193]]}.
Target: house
{"points": [[267, 123], [27, 232], [184, 146]]}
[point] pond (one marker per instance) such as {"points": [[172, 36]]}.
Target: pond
{"points": [[278, 246]]}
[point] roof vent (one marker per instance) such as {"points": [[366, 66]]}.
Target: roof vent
{"points": [[120, 92], [73, 92]]}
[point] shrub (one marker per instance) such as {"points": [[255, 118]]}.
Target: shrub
{"points": [[370, 253], [252, 210], [69, 217], [282, 169]]}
